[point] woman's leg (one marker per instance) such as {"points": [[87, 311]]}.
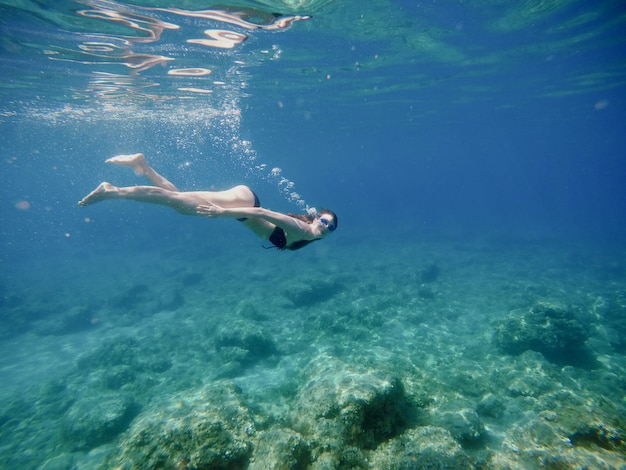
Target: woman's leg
{"points": [[165, 193], [138, 163], [183, 202]]}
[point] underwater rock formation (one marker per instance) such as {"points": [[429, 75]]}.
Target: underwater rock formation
{"points": [[312, 291], [238, 349], [206, 428], [95, 420], [545, 443], [255, 345], [464, 425], [344, 410], [280, 449], [552, 330], [74, 320], [429, 273], [490, 406], [426, 447], [612, 309], [141, 300]]}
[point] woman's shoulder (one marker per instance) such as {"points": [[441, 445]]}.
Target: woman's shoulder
{"points": [[303, 217]]}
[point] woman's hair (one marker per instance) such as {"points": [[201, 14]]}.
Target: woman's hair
{"points": [[308, 218]]}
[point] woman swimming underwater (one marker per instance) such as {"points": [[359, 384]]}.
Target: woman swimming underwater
{"points": [[285, 231]]}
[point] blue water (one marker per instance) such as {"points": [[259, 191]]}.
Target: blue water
{"points": [[474, 293]]}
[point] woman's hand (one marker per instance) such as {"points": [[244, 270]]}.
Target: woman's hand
{"points": [[210, 210]]}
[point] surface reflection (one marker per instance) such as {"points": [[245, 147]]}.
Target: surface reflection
{"points": [[243, 17], [220, 38], [126, 40], [118, 13]]}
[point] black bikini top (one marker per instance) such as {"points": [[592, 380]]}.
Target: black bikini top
{"points": [[278, 239]]}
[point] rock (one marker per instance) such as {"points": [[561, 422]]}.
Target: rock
{"points": [[75, 320], [126, 356], [279, 449], [343, 410], [326, 461], [113, 352], [551, 330], [192, 279], [535, 376], [206, 428], [429, 273], [116, 377], [141, 300], [238, 349], [426, 447], [540, 443], [131, 297], [490, 406], [464, 425], [59, 462], [249, 310], [593, 435], [312, 291], [95, 420]]}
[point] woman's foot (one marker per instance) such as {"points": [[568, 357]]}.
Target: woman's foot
{"points": [[102, 192], [135, 161]]}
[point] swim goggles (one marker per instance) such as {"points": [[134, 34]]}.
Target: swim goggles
{"points": [[326, 223]]}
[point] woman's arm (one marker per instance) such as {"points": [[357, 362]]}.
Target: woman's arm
{"points": [[286, 222]]}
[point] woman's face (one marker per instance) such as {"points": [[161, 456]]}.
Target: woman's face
{"points": [[327, 221]]}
